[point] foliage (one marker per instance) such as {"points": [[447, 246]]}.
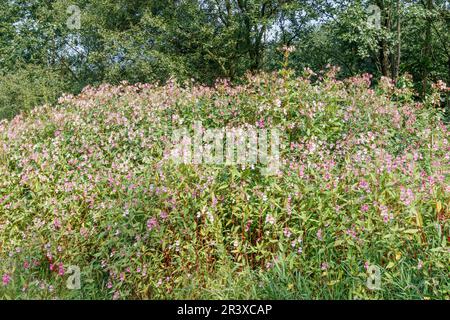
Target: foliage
{"points": [[29, 87], [154, 41]]}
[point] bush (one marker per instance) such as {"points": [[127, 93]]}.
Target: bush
{"points": [[363, 182]]}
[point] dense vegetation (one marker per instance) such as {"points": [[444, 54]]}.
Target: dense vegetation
{"points": [[92, 91], [46, 50], [364, 181]]}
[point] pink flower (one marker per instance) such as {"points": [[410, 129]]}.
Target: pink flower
{"points": [[406, 196], [270, 219], [385, 213], [364, 185], [57, 223], [248, 225], [84, 232], [364, 208], [152, 223], [287, 232], [163, 215], [260, 123], [61, 269], [366, 265], [319, 234], [6, 279]]}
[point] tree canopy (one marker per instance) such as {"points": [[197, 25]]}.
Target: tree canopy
{"points": [[91, 42]]}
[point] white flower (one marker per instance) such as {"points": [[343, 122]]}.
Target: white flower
{"points": [[270, 219], [210, 216]]}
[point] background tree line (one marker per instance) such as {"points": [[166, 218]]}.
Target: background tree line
{"points": [[41, 55]]}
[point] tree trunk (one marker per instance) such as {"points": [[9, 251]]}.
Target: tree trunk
{"points": [[427, 49], [383, 47], [396, 60]]}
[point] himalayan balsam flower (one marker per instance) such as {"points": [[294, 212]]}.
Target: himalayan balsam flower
{"points": [[248, 225], [163, 215], [260, 123], [57, 223], [61, 269], [406, 196], [152, 223], [364, 185], [319, 235], [270, 219], [6, 279], [287, 232]]}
